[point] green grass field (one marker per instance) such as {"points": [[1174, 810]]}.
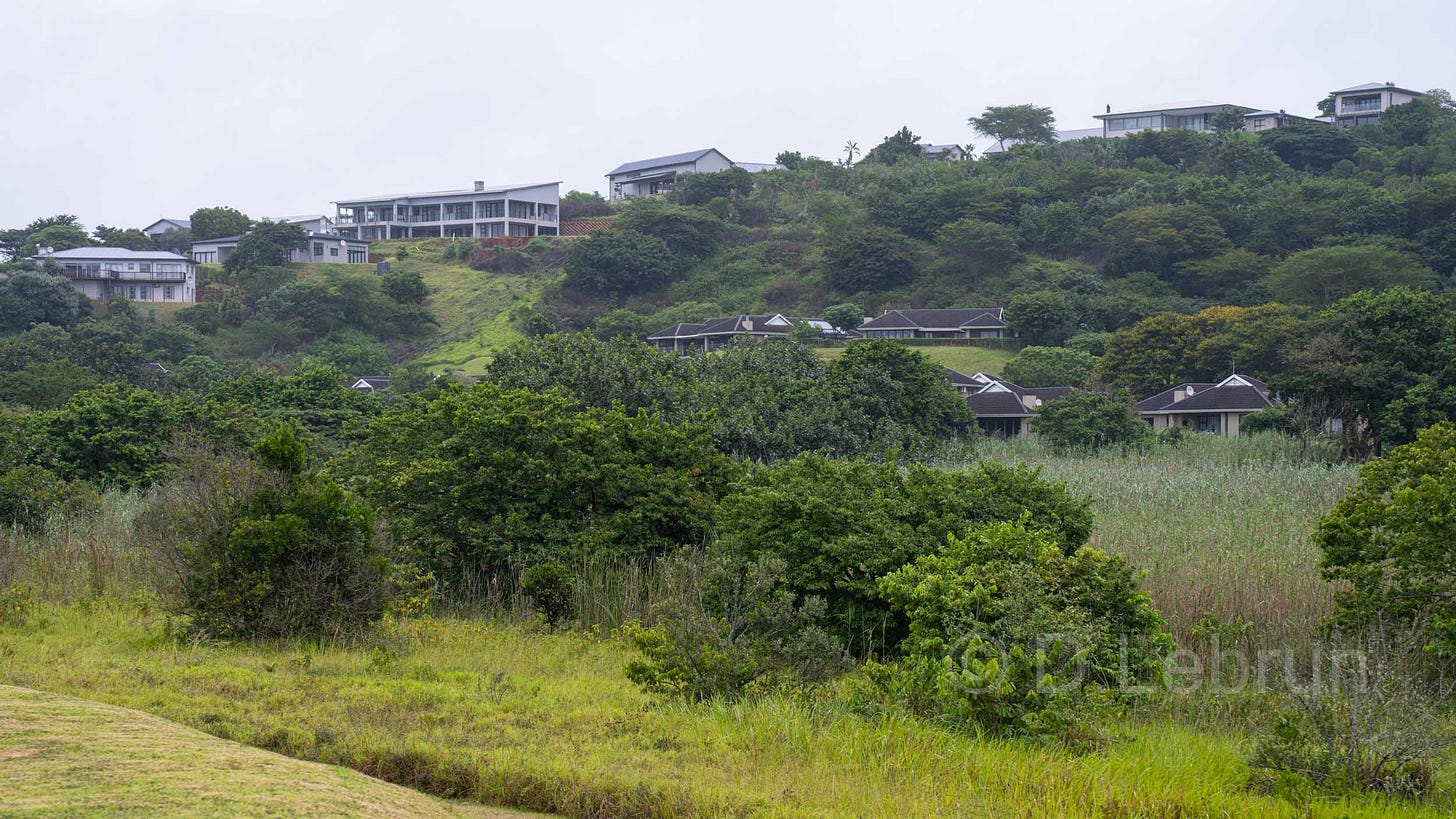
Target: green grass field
{"points": [[499, 712], [62, 756], [967, 360]]}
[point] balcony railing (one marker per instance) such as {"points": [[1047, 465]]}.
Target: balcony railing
{"points": [[124, 275]]}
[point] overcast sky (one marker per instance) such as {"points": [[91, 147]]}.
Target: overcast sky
{"points": [[123, 111]]}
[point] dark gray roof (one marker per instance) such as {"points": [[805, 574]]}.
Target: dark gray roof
{"points": [[951, 319], [1235, 393], [1045, 394], [997, 404], [679, 330], [660, 161], [725, 325], [186, 223]]}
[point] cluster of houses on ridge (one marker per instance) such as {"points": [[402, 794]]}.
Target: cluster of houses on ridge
{"points": [[1002, 408], [522, 211]]}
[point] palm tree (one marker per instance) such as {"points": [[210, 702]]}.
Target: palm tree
{"points": [[851, 150]]}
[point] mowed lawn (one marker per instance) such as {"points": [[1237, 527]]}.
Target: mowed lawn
{"points": [[967, 360], [62, 756]]}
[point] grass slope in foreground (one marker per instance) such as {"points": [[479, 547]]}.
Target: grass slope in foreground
{"points": [[501, 714], [65, 756]]}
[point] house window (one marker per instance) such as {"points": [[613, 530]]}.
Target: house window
{"points": [[495, 209], [523, 210], [145, 267], [1208, 423], [131, 292], [333, 251], [1350, 105], [169, 293], [358, 255], [522, 230], [318, 248], [490, 230], [1133, 123], [144, 293]]}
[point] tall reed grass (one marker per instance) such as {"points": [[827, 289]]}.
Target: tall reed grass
{"points": [[1221, 526]]}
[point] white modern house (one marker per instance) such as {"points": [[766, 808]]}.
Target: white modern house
{"points": [[162, 227], [1363, 104], [646, 177], [480, 212], [103, 273], [322, 247], [943, 153], [1192, 115], [1257, 121]]}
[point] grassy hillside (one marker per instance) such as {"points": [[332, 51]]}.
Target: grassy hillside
{"points": [[65, 756], [503, 714], [967, 360], [472, 306]]}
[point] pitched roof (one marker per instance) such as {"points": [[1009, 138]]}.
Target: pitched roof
{"points": [[661, 161], [370, 382], [1237, 392], [680, 330], [951, 319], [998, 400], [105, 253], [1376, 86], [186, 223], [755, 167]]}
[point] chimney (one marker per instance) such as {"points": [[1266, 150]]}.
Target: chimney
{"points": [[479, 185], [1186, 392], [747, 324], [1109, 107]]}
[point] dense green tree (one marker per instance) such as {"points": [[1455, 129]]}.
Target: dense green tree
{"points": [[55, 237], [405, 286], [1157, 238], [584, 205], [896, 147], [1324, 275], [177, 241], [1312, 147], [114, 435], [1041, 316], [847, 316], [1087, 421], [29, 298], [129, 238], [46, 384], [839, 526], [620, 261], [979, 247], [1032, 124], [267, 244], [690, 233], [1227, 120], [898, 396], [867, 259], [13, 241], [1050, 367], [478, 479], [1389, 541], [215, 223], [702, 188]]}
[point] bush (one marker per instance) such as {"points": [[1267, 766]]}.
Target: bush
{"points": [[839, 526], [485, 479], [293, 554], [619, 260], [1372, 723], [1050, 367], [732, 625], [868, 258], [552, 588], [1088, 421], [31, 494], [1389, 541], [1009, 633]]}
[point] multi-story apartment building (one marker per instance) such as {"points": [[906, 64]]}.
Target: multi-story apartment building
{"points": [[480, 212], [1194, 115], [1363, 104], [141, 275]]}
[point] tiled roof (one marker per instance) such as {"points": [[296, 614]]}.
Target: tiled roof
{"points": [[1237, 392], [660, 161], [990, 403], [582, 227], [952, 319]]}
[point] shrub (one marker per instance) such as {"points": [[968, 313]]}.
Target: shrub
{"points": [[551, 587], [619, 260], [868, 258], [1010, 633], [1389, 541], [30, 494], [1050, 367], [292, 554], [732, 625], [485, 479], [1088, 421], [1371, 723], [839, 526]]}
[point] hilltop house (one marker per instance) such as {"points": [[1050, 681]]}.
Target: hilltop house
{"points": [[969, 322], [943, 153], [1002, 408], [1363, 104], [479, 212], [161, 227], [103, 273], [717, 333], [1193, 115], [647, 177], [321, 248], [1206, 407]]}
